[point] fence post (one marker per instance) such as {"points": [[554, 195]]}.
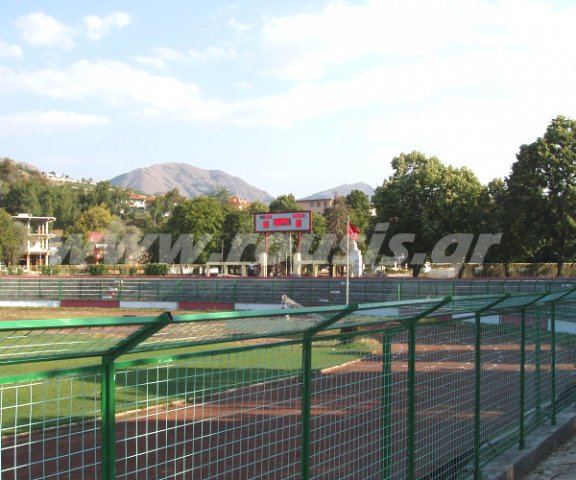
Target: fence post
{"points": [[59, 290], [553, 359], [538, 367], [522, 427], [306, 405], [477, 393], [398, 291], [108, 405], [411, 400], [386, 407]]}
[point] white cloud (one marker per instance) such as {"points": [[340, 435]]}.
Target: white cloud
{"points": [[304, 46], [97, 27], [42, 122], [156, 62], [41, 30], [8, 50], [160, 57], [238, 26], [243, 84], [212, 53], [119, 85]]}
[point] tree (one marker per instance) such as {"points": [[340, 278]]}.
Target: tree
{"points": [[424, 200], [123, 243], [66, 204], [163, 206], [199, 216], [12, 238], [541, 193], [222, 194], [284, 203], [337, 218], [360, 209], [94, 219], [102, 194], [22, 197], [237, 225]]}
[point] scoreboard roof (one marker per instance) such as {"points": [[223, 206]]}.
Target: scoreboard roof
{"points": [[283, 222]]}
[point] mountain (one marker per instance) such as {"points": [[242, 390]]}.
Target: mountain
{"points": [[189, 180], [342, 191]]}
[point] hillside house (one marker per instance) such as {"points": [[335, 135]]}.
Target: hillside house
{"points": [[140, 201], [239, 203]]}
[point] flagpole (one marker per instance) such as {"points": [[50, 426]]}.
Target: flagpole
{"points": [[347, 260]]}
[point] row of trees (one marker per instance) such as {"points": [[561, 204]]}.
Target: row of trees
{"points": [[533, 208]]}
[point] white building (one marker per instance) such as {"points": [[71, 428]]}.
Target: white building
{"points": [[37, 248]]}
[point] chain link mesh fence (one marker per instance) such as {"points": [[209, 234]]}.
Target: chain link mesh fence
{"points": [[433, 388]]}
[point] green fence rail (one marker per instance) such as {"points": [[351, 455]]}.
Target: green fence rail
{"points": [[428, 388], [306, 291]]}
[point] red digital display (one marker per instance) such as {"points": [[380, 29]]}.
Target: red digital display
{"points": [[281, 222]]}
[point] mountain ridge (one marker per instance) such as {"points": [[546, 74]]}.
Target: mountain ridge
{"points": [[341, 191], [190, 181]]}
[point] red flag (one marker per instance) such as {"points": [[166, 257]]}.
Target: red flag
{"points": [[353, 231]]}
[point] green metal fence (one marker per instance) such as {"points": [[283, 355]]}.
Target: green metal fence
{"points": [[423, 389], [307, 291]]}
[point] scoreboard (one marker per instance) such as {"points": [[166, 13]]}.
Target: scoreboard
{"points": [[283, 222]]}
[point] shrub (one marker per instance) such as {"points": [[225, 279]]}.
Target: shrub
{"points": [[97, 269], [156, 269]]}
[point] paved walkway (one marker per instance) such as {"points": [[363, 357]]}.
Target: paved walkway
{"points": [[560, 464]]}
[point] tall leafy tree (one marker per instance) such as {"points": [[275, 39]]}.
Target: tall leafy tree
{"points": [[12, 238], [94, 219], [337, 218], [66, 205], [360, 209], [284, 203], [427, 200], [542, 196], [23, 197], [237, 228], [199, 216]]}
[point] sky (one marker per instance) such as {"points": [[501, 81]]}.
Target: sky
{"points": [[293, 96]]}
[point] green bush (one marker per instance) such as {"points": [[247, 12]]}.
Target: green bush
{"points": [[156, 269], [97, 269], [48, 270]]}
